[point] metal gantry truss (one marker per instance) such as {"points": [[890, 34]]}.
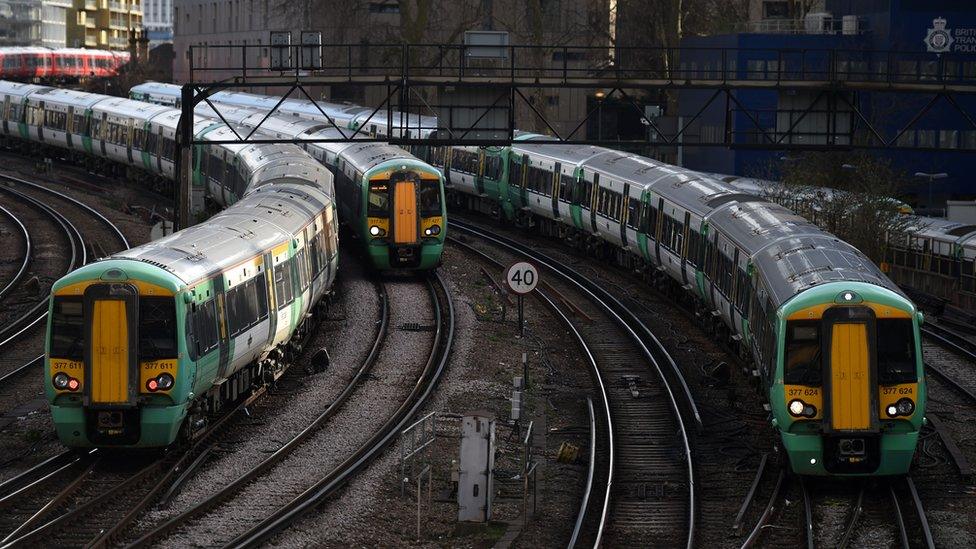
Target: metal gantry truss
{"points": [[834, 78]]}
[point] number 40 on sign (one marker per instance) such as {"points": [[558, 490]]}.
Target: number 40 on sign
{"points": [[521, 278]]}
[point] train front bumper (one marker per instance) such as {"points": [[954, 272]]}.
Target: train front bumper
{"points": [[158, 426], [806, 454], [423, 256]]}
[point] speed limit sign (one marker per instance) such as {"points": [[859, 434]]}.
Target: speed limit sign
{"points": [[522, 277]]}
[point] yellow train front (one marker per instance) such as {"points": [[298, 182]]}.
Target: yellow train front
{"points": [[848, 394]]}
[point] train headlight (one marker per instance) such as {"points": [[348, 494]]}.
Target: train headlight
{"points": [[376, 231], [796, 407], [891, 410], [165, 381], [809, 411], [905, 407], [433, 230], [60, 381], [73, 384]]}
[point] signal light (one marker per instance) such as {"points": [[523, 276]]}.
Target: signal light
{"points": [[73, 384]]}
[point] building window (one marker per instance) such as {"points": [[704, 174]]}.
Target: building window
{"points": [[383, 7], [947, 138], [926, 138], [776, 10]]}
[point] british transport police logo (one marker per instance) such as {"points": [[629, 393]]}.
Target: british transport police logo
{"points": [[939, 38]]}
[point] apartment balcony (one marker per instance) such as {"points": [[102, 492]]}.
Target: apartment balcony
{"points": [[117, 6]]}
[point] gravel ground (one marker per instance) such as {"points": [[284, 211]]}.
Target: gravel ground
{"points": [[371, 511], [400, 361]]}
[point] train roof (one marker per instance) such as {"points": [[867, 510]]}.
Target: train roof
{"points": [[120, 106], [24, 49], [804, 261], [753, 223], [257, 222], [566, 154], [19, 89], [69, 97]]}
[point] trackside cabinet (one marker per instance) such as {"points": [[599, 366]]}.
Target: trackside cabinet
{"points": [[475, 486]]}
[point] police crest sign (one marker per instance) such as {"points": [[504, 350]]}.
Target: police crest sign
{"points": [[939, 39]]}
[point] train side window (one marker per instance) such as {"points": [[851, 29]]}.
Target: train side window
{"points": [[493, 167], [896, 351], [693, 248], [257, 292], [157, 328], [633, 213], [283, 283], [802, 364], [67, 328], [236, 310], [205, 327], [301, 259], [566, 187]]}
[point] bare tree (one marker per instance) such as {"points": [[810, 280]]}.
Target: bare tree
{"points": [[851, 195]]}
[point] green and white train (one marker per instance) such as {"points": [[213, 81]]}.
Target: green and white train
{"points": [[392, 202], [149, 343]]}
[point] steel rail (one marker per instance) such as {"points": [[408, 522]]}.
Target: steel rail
{"points": [[920, 512], [589, 477], [28, 251], [599, 295], [601, 387], [59, 498], [902, 530], [950, 339], [807, 514], [157, 474], [18, 370], [95, 213], [234, 487], [338, 477], [751, 494], [767, 512], [27, 476], [29, 319], [852, 520]]}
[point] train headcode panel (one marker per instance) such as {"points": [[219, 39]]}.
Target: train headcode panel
{"points": [[521, 278]]}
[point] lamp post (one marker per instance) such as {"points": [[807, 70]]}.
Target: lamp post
{"points": [[931, 177]]}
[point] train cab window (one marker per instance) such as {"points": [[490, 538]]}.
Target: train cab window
{"points": [[430, 198], [896, 351], [157, 328], [379, 199], [802, 362], [67, 328]]}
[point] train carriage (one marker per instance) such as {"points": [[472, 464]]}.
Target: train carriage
{"points": [[393, 202], [147, 343]]}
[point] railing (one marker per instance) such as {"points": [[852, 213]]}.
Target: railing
{"points": [[562, 65]]}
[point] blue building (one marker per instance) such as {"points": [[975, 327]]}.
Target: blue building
{"points": [[907, 41]]}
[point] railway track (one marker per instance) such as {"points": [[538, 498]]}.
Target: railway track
{"points": [[291, 501], [327, 485], [647, 485], [62, 234], [95, 506], [160, 531], [35, 311], [24, 235], [887, 513]]}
